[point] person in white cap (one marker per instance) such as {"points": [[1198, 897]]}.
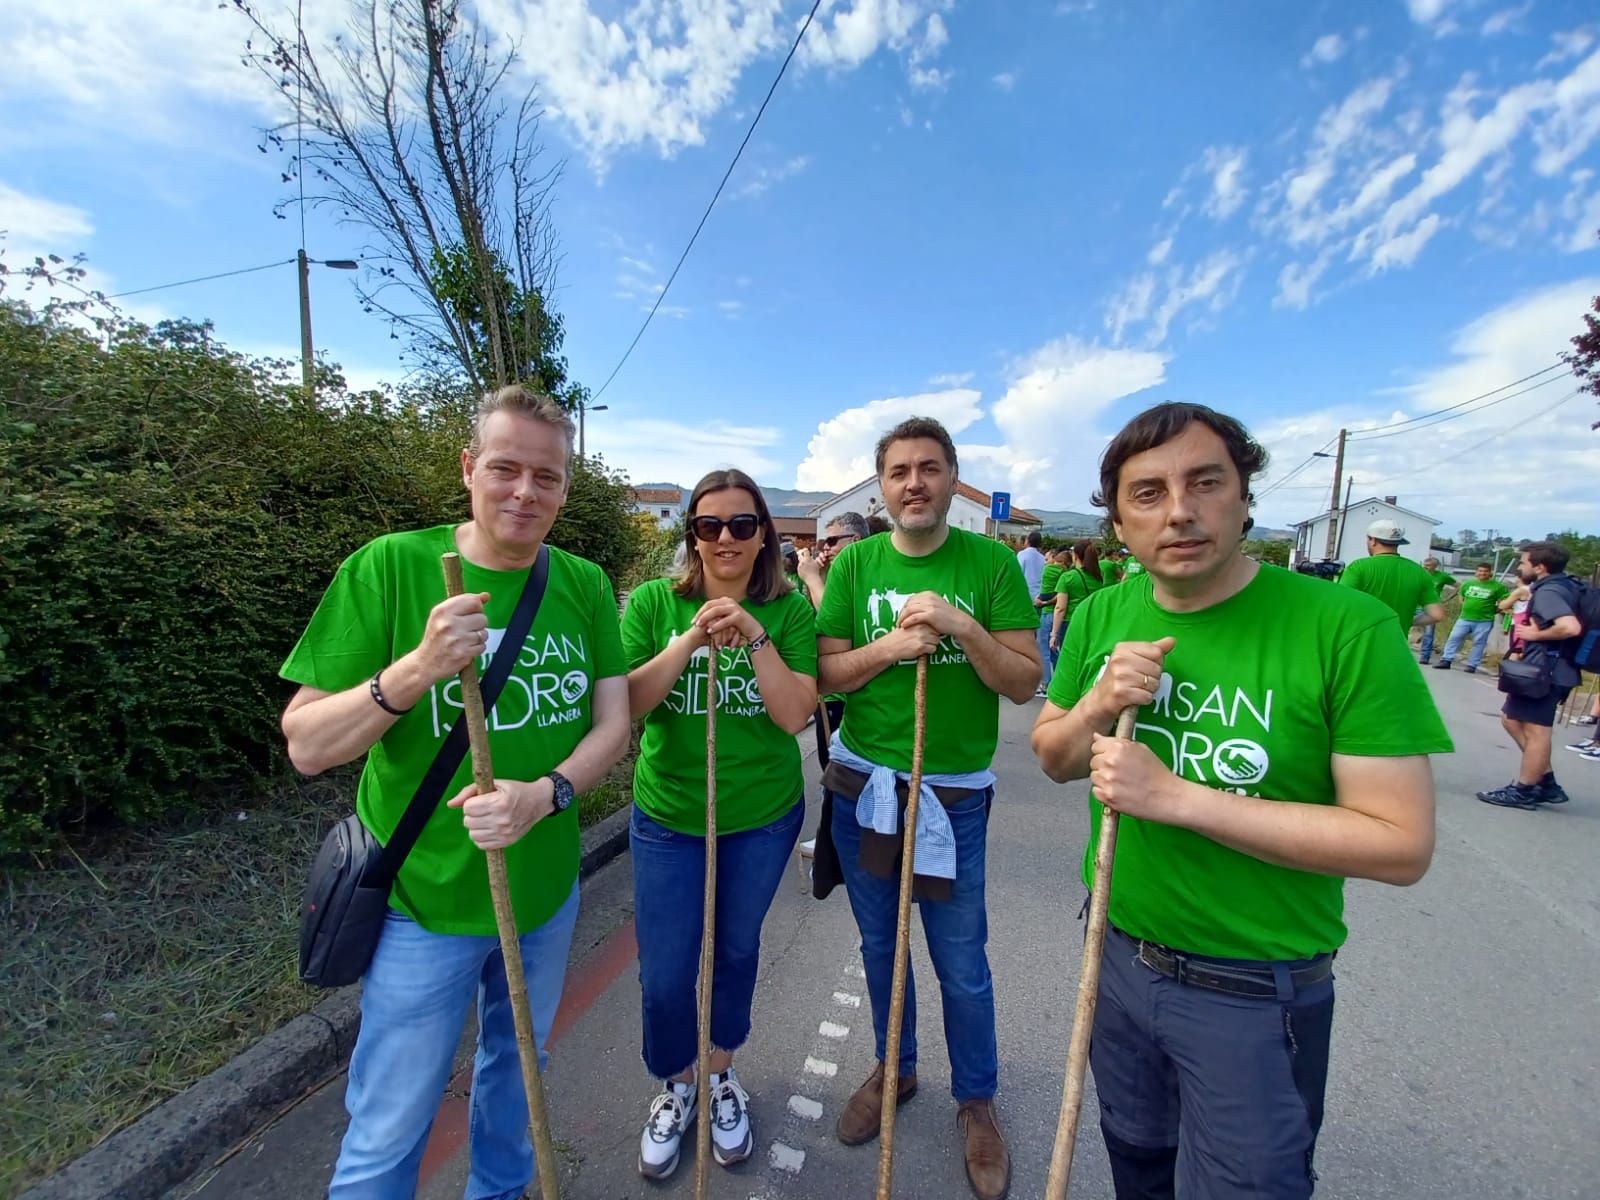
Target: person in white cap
{"points": [[1391, 577]]}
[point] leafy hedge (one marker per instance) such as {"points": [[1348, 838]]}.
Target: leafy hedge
{"points": [[169, 516]]}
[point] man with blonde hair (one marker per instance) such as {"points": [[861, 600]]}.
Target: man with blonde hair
{"points": [[377, 669]]}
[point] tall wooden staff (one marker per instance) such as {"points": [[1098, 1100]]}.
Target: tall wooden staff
{"points": [[505, 919], [702, 1158], [902, 944], [1094, 942]]}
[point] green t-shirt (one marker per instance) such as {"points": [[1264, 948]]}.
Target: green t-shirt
{"points": [[1047, 585], [1131, 566], [1257, 695], [868, 585], [1441, 580], [1479, 597], [758, 764], [1110, 571], [1078, 585], [1401, 584], [375, 611]]}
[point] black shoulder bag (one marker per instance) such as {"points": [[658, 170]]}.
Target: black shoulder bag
{"points": [[347, 896]]}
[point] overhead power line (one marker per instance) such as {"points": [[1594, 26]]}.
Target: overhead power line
{"points": [[1270, 488], [1497, 434], [1444, 416], [714, 197], [161, 287]]}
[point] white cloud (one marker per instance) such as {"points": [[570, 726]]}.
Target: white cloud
{"points": [[1131, 305], [845, 36], [951, 379], [1330, 47], [1566, 45], [653, 448], [1225, 165], [1050, 419], [37, 221], [138, 65], [732, 309], [1159, 252], [1006, 80], [1402, 249], [1296, 280], [1582, 212], [1474, 470], [762, 178], [1504, 20], [840, 454]]}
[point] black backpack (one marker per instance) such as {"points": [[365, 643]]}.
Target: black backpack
{"points": [[1585, 651]]}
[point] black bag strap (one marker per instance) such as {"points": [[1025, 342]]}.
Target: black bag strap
{"points": [[454, 747]]}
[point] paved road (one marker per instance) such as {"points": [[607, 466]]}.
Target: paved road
{"points": [[1464, 1061]]}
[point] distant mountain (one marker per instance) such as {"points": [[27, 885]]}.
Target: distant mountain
{"points": [[1065, 520], [784, 502]]}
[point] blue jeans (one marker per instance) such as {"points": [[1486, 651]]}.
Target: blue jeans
{"points": [[1479, 632], [414, 1001], [1217, 1094], [957, 931], [1047, 617], [1427, 641], [669, 871]]}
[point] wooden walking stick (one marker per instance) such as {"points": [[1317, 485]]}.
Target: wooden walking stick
{"points": [[1094, 942], [902, 944], [702, 1145], [505, 919]]}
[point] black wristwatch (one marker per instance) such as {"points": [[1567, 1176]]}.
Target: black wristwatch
{"points": [[563, 794]]}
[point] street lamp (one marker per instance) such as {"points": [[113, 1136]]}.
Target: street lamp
{"points": [[583, 407], [306, 355]]}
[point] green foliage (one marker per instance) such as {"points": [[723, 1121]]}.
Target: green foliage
{"points": [[1584, 549], [169, 516], [1273, 550]]}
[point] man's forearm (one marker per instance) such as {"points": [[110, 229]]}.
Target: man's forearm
{"points": [[1326, 839], [1012, 673], [607, 739], [851, 670], [339, 727], [1063, 745]]}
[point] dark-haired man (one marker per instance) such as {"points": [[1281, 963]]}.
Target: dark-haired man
{"points": [[1550, 635], [959, 599], [1480, 596], [1271, 759]]}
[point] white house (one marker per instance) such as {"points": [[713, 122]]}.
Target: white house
{"points": [[664, 504], [1311, 537], [969, 509]]}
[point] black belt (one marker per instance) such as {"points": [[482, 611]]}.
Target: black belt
{"points": [[1236, 979]]}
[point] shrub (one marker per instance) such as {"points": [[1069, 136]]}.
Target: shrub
{"points": [[170, 514]]}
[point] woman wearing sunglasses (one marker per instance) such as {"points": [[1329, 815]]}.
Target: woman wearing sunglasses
{"points": [[732, 600]]}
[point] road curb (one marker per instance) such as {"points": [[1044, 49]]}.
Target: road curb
{"points": [[169, 1144]]}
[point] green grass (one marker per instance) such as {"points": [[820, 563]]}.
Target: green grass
{"points": [[140, 959]]}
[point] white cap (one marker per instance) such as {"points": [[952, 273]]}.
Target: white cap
{"points": [[1387, 532]]}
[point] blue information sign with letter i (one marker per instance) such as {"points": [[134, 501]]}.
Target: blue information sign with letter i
{"points": [[1000, 506]]}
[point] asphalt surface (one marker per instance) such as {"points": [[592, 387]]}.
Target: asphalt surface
{"points": [[1464, 1058]]}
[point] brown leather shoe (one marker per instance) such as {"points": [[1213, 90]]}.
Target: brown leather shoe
{"points": [[988, 1160], [863, 1113]]}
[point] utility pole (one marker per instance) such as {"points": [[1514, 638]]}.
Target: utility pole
{"points": [[1333, 504], [306, 353], [583, 407]]}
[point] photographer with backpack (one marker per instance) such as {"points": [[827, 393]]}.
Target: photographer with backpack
{"points": [[1538, 682]]}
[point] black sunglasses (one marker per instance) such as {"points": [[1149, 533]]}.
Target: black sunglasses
{"points": [[833, 539], [709, 529]]}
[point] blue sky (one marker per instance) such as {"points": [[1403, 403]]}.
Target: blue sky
{"points": [[1030, 219]]}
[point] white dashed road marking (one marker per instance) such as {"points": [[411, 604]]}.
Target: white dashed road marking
{"points": [[847, 999], [804, 1106], [787, 1158], [829, 1029], [821, 1066]]}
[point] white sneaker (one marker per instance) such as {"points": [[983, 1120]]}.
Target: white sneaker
{"points": [[732, 1139], [671, 1113]]}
